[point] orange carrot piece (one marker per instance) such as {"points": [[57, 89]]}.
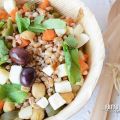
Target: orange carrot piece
{"points": [[49, 35], [83, 66], [44, 4], [1, 105], [3, 14], [24, 43], [70, 21], [13, 14]]}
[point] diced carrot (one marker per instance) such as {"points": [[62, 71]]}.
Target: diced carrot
{"points": [[49, 35], [44, 4], [13, 14], [3, 14], [83, 65], [24, 43], [1, 105], [70, 21]]}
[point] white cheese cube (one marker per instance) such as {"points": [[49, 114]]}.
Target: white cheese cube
{"points": [[15, 73], [63, 87], [62, 72], [43, 102], [60, 32], [56, 101], [4, 76], [48, 70], [9, 5], [82, 39]]}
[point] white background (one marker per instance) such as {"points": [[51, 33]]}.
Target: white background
{"points": [[101, 9]]}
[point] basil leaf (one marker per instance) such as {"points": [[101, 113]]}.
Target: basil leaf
{"points": [[22, 23], [54, 24], [71, 41], [36, 28], [13, 93], [38, 19], [72, 65], [2, 24]]}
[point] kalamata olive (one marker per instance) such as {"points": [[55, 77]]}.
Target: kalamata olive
{"points": [[27, 77], [19, 56]]}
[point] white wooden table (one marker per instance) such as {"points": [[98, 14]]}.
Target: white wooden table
{"points": [[101, 9]]}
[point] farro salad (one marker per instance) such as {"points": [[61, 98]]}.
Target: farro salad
{"points": [[43, 61]]}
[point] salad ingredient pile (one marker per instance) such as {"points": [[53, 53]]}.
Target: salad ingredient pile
{"points": [[43, 60]]}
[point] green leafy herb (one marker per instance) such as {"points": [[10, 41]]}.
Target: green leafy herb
{"points": [[2, 24], [9, 28], [54, 24], [36, 28], [38, 20], [72, 63], [4, 51], [22, 23], [71, 41], [13, 93]]}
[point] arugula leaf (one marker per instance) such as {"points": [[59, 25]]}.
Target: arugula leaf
{"points": [[38, 19], [71, 41], [22, 23], [2, 23], [13, 93], [53, 23], [36, 28], [4, 51], [72, 64]]}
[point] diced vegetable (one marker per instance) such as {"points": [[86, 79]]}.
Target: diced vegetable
{"points": [[68, 97], [63, 87], [29, 6], [38, 19], [71, 41], [4, 75], [13, 93], [3, 14], [15, 73], [43, 102], [49, 35], [56, 101], [36, 28], [38, 114], [53, 23], [3, 52], [22, 23], [48, 70], [28, 35], [72, 64], [9, 28], [9, 115], [83, 66], [38, 90], [24, 43], [78, 30], [82, 39], [60, 32], [44, 4], [8, 106], [62, 71], [70, 21], [9, 5], [1, 104], [25, 113]]}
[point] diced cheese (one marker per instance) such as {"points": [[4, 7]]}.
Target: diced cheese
{"points": [[9, 5], [4, 76], [48, 70], [60, 32], [62, 72], [63, 87], [15, 73], [56, 101], [82, 39], [43, 102]]}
